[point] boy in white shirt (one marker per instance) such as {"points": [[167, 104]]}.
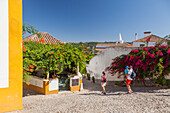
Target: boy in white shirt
{"points": [[129, 80]]}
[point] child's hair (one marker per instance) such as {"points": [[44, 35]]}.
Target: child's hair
{"points": [[104, 73]]}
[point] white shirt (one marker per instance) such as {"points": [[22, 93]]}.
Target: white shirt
{"points": [[129, 73]]}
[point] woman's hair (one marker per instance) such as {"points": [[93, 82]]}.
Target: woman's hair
{"points": [[104, 73]]}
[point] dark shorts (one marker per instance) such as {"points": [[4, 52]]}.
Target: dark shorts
{"points": [[128, 82]]}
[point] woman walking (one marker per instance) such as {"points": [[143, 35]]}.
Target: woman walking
{"points": [[104, 82]]}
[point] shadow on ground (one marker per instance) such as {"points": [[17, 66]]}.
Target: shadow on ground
{"points": [[28, 92], [89, 85]]}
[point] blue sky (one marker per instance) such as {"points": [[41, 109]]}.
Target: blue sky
{"points": [[98, 20]]}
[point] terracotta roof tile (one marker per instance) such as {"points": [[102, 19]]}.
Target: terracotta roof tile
{"points": [[47, 38], [154, 38], [120, 45], [106, 44], [130, 45]]}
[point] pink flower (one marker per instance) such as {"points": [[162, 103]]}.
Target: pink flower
{"points": [[139, 62], [132, 50], [145, 48], [168, 51], [131, 58], [144, 67], [152, 48], [148, 39], [126, 59], [151, 55], [135, 51], [163, 46], [159, 53]]}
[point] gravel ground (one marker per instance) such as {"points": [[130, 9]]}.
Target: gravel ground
{"points": [[90, 100]]}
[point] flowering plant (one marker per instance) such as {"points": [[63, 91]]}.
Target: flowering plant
{"points": [[37, 55], [51, 57], [150, 62]]}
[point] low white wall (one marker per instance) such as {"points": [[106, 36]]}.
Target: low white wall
{"points": [[53, 84], [99, 63], [36, 81]]}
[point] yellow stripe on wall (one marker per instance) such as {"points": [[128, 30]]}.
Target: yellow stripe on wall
{"points": [[11, 97]]}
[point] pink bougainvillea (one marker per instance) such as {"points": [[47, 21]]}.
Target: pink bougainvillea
{"points": [[168, 51], [147, 62], [159, 53]]}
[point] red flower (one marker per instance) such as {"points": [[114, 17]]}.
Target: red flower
{"points": [[25, 72], [62, 43], [31, 70], [52, 52], [28, 83], [56, 58], [42, 40], [25, 49], [27, 69], [31, 66]]}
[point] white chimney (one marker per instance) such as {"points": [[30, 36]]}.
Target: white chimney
{"points": [[136, 36], [147, 33]]}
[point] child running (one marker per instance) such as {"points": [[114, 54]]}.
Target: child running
{"points": [[104, 82]]}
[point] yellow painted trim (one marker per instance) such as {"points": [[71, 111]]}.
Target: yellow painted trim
{"points": [[11, 98], [76, 88], [44, 90]]}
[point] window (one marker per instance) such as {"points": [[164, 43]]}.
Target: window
{"points": [[142, 45], [75, 82]]}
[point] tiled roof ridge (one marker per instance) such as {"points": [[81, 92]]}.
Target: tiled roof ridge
{"points": [[46, 36], [141, 40]]}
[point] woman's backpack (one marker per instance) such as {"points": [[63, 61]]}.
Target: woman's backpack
{"points": [[133, 75]]}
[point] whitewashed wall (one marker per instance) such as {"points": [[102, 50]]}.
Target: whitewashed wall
{"points": [[137, 44], [4, 44], [98, 63]]}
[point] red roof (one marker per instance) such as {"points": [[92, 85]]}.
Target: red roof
{"points": [[154, 38], [105, 44], [47, 38]]}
